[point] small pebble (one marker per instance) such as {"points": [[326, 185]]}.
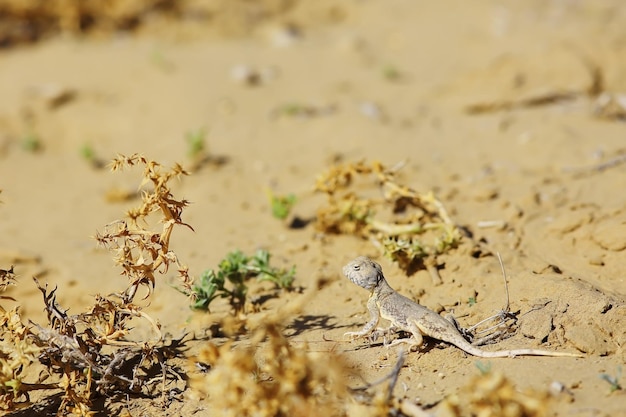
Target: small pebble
{"points": [[244, 74], [556, 388], [371, 110]]}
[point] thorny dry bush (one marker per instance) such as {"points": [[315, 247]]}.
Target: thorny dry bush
{"points": [[92, 351], [31, 20], [268, 376], [492, 395], [18, 351], [367, 200]]}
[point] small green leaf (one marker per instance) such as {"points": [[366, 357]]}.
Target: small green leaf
{"points": [[282, 205], [31, 143], [230, 280], [483, 367], [196, 142]]}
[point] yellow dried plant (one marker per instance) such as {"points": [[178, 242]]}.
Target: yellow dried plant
{"points": [[368, 201]]}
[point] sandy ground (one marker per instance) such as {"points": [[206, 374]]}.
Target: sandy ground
{"points": [[498, 107]]}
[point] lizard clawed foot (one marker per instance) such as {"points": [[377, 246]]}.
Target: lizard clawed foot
{"points": [[372, 335], [353, 335], [413, 346]]}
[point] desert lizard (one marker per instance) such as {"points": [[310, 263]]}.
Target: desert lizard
{"points": [[407, 315]]}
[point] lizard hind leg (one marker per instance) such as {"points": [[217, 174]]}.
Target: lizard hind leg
{"points": [[415, 341]]}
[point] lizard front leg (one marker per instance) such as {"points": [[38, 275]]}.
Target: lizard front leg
{"points": [[372, 307]]}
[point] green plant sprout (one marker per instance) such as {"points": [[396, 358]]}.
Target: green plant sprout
{"points": [[294, 109], [613, 380], [483, 367], [229, 281], [31, 142], [196, 143], [161, 61], [88, 153], [391, 73], [281, 204]]}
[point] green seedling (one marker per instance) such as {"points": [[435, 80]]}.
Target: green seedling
{"points": [[229, 281], [161, 61], [88, 153], [471, 301], [281, 204], [483, 367], [294, 109], [196, 143], [391, 73], [613, 380], [31, 142]]}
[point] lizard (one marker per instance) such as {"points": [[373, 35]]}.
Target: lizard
{"points": [[409, 316]]}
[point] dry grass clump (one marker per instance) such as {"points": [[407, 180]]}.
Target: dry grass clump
{"points": [[18, 351], [141, 252], [269, 377], [28, 20], [31, 20], [105, 349], [492, 395], [367, 200]]}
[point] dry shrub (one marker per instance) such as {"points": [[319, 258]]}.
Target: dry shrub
{"points": [[269, 377], [367, 200], [492, 395], [17, 352], [99, 350], [139, 251], [31, 20]]}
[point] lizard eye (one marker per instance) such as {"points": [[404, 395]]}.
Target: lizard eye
{"points": [[356, 267]]}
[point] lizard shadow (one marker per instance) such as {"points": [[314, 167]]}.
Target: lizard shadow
{"points": [[313, 322]]}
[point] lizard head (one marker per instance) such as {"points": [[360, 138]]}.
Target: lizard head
{"points": [[364, 272]]}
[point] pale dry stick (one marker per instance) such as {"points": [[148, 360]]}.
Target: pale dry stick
{"points": [[391, 229], [413, 410], [505, 310], [391, 376], [485, 224], [503, 314], [405, 314], [432, 267], [613, 162]]}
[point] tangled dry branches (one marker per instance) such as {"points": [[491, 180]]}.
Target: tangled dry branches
{"points": [[416, 228], [93, 351]]}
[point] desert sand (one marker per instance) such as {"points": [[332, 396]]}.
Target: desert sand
{"points": [[509, 112]]}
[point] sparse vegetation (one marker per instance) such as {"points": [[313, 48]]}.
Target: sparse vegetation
{"points": [[391, 73], [269, 377], [613, 380], [229, 281], [281, 204], [491, 394], [88, 153], [483, 367], [80, 354], [31, 142], [196, 143], [417, 229]]}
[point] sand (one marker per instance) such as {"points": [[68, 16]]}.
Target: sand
{"points": [[508, 112]]}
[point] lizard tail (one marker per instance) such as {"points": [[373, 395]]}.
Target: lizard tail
{"points": [[521, 352]]}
